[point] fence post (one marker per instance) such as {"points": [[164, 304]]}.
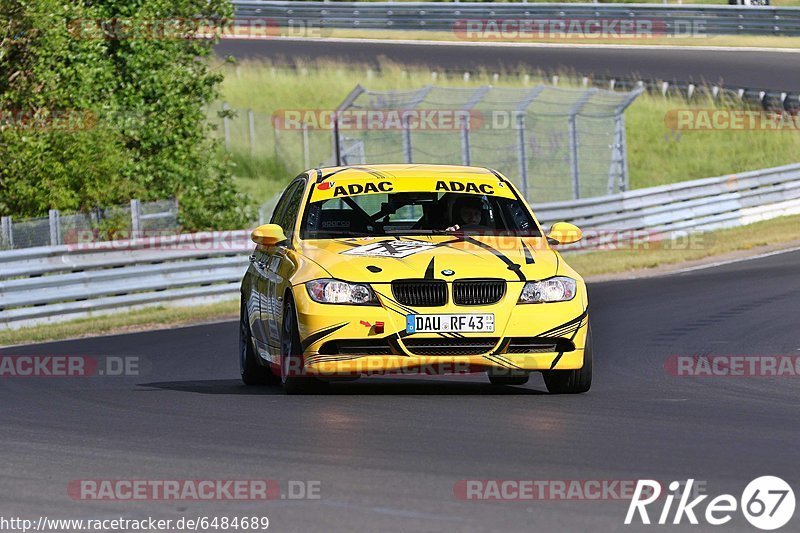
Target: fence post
{"points": [[465, 155], [136, 217], [406, 139], [226, 126], [7, 231], [573, 156], [251, 119], [306, 147], [55, 227], [624, 179], [616, 169], [523, 158], [337, 140]]}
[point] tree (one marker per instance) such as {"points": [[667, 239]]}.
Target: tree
{"points": [[105, 100]]}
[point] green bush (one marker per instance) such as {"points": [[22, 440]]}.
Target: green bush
{"points": [[145, 94]]}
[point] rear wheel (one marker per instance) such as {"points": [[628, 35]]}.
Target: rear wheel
{"points": [[252, 372], [572, 381], [293, 375]]}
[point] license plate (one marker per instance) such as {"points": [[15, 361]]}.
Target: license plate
{"points": [[472, 323]]}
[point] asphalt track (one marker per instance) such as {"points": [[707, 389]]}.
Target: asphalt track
{"points": [[387, 452], [778, 71]]}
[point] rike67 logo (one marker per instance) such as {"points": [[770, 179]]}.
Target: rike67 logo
{"points": [[767, 503]]}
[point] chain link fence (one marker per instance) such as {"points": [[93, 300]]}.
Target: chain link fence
{"points": [[100, 223], [554, 143]]}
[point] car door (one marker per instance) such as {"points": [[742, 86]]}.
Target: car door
{"points": [[279, 267], [260, 260]]}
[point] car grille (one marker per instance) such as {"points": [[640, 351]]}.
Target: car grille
{"points": [[539, 345], [478, 291], [424, 293], [466, 346]]}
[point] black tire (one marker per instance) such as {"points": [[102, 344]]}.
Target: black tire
{"points": [[252, 372], [293, 376], [572, 381], [508, 379]]}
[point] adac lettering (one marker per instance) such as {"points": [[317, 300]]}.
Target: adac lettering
{"points": [[457, 186], [357, 188]]}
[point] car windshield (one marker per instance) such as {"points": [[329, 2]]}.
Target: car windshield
{"points": [[417, 213]]}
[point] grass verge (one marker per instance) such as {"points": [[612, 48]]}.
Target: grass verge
{"points": [[150, 318], [656, 155], [709, 245]]}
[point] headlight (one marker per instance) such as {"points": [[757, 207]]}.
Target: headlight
{"points": [[558, 289], [333, 291]]}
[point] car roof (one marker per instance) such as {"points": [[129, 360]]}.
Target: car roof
{"points": [[367, 172]]}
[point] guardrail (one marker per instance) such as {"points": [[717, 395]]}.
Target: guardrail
{"points": [[66, 281], [714, 20], [671, 210]]}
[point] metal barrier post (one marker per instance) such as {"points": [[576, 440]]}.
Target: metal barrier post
{"points": [[55, 227], [7, 231], [136, 217]]}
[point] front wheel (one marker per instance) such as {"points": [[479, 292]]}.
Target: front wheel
{"points": [[572, 381], [293, 376]]}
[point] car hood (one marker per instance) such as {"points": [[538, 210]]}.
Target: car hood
{"points": [[385, 259]]}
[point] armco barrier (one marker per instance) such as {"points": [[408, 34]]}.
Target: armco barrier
{"points": [[442, 16], [66, 281], [62, 282]]}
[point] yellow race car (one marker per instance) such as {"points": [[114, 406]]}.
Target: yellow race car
{"points": [[382, 269]]}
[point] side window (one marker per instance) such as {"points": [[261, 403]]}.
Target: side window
{"points": [[287, 218], [280, 207]]}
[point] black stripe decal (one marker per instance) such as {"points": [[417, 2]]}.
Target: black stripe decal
{"points": [[502, 347], [329, 174], [528, 256], [318, 335], [512, 266], [429, 270], [347, 243], [577, 320], [560, 354]]}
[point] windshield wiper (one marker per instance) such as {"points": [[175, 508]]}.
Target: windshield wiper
{"points": [[418, 231], [337, 234]]}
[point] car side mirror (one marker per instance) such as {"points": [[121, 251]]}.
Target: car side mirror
{"points": [[268, 235], [564, 233]]}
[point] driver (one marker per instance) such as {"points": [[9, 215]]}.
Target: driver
{"points": [[467, 214]]}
